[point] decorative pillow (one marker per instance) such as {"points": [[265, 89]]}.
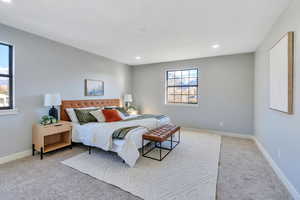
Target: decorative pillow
{"points": [[121, 109], [111, 115], [84, 116], [98, 115], [72, 114]]}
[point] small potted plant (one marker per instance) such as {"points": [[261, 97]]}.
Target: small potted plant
{"points": [[132, 110], [46, 120]]}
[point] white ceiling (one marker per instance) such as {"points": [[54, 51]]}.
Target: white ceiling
{"points": [[156, 30]]}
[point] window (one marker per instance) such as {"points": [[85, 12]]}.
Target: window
{"points": [[182, 86], [6, 77]]}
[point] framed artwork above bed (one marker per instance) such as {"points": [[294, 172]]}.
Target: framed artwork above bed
{"points": [[94, 87]]}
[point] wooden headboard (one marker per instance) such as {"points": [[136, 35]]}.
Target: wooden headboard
{"points": [[85, 103]]}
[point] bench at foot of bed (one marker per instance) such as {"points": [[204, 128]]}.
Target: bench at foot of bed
{"points": [[159, 136]]}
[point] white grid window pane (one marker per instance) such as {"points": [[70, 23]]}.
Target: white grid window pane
{"points": [[177, 74], [171, 98], [182, 86], [4, 59], [171, 82], [6, 77], [4, 92], [171, 74], [185, 74], [171, 90]]}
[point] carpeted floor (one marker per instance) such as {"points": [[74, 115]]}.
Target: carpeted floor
{"points": [[243, 175]]}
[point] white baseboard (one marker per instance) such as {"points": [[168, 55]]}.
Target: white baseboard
{"points": [[290, 187], [15, 156], [223, 133]]}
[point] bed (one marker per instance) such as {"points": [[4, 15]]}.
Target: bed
{"points": [[100, 134]]}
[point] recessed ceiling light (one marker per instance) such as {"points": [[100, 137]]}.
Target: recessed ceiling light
{"points": [[215, 46], [6, 1], [138, 58]]}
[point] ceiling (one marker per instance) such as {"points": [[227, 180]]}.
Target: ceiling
{"points": [[155, 30]]}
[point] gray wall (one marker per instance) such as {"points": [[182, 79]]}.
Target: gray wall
{"points": [[278, 132], [225, 87], [43, 66]]}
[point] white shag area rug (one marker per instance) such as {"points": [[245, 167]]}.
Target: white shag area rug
{"points": [[189, 172]]}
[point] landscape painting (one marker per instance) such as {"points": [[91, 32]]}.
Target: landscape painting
{"points": [[94, 87]]}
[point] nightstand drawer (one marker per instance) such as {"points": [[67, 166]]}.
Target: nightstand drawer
{"points": [[49, 130]]}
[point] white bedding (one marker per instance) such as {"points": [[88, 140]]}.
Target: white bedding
{"points": [[100, 135]]}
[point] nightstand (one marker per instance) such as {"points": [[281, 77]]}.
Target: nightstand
{"points": [[51, 137]]}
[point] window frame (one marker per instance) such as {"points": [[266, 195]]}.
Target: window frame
{"points": [[10, 77], [166, 86]]}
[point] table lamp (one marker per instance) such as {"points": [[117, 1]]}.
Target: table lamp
{"points": [[127, 99], [52, 100]]}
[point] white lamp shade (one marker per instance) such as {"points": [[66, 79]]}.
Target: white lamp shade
{"points": [[127, 98], [52, 100]]}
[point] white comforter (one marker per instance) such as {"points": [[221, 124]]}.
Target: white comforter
{"points": [[100, 135]]}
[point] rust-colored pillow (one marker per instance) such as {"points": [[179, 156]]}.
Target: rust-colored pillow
{"points": [[111, 115]]}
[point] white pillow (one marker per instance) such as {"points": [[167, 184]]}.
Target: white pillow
{"points": [[72, 114], [98, 115]]}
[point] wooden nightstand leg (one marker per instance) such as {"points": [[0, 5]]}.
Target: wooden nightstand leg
{"points": [[42, 153], [33, 150]]}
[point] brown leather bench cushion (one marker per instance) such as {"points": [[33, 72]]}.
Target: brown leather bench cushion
{"points": [[162, 133]]}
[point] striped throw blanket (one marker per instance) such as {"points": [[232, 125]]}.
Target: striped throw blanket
{"points": [[122, 132], [146, 116]]}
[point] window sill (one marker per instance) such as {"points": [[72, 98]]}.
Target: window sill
{"points": [[9, 112], [181, 104]]}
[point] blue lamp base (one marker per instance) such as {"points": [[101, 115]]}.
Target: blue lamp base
{"points": [[53, 112]]}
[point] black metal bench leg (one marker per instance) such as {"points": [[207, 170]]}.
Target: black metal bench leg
{"points": [[171, 141], [42, 152], [33, 150], [160, 151], [142, 146]]}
